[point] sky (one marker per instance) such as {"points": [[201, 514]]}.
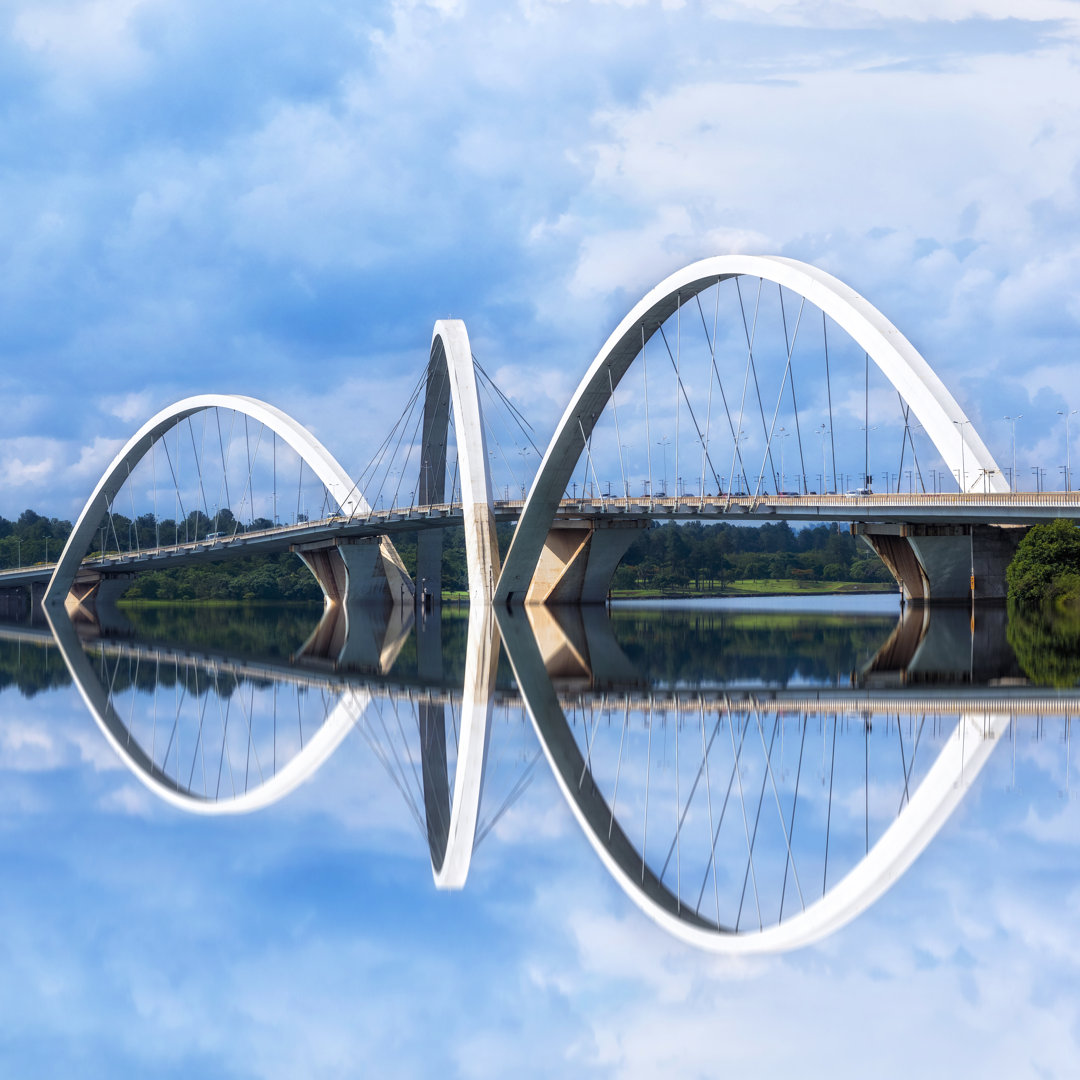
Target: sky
{"points": [[280, 199]]}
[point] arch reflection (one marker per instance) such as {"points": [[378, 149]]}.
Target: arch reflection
{"points": [[741, 818]]}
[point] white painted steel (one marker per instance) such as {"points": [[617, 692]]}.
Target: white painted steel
{"points": [[478, 695], [316, 750], [450, 345], [942, 418], [929, 807]]}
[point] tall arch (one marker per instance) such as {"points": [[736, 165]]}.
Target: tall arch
{"points": [[311, 451], [930, 805], [451, 384], [898, 359]]}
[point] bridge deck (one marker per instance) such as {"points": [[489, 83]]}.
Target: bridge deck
{"points": [[1021, 508]]}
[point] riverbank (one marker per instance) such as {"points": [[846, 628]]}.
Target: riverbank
{"points": [[746, 587], [758, 587]]}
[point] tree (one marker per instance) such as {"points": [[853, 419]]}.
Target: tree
{"points": [[1046, 566]]}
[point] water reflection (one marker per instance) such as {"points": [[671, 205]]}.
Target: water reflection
{"points": [[745, 803]]}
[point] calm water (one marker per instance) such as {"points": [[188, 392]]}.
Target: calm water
{"points": [[257, 845]]}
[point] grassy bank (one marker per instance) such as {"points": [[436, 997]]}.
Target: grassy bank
{"points": [[747, 587]]}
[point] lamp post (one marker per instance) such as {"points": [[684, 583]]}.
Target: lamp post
{"points": [[963, 464], [524, 451], [1068, 453], [1012, 420], [823, 431], [867, 476], [664, 443], [784, 435], [19, 542]]}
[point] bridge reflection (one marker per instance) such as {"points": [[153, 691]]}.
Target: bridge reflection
{"points": [[741, 814]]}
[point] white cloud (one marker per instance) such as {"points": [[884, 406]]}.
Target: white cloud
{"points": [[83, 41]]}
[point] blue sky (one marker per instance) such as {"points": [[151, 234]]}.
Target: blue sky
{"points": [[280, 199]]}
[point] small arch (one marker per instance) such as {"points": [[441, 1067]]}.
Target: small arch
{"points": [[311, 451]]}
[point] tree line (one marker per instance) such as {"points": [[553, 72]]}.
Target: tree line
{"points": [[668, 557], [673, 557]]}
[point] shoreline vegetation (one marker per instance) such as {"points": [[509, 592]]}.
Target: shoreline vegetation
{"points": [[782, 587], [666, 561]]}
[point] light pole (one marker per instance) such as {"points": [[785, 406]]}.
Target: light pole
{"points": [[962, 477], [783, 476], [19, 542], [664, 443], [524, 451], [823, 431], [626, 466], [867, 477], [1012, 420], [1068, 453]]}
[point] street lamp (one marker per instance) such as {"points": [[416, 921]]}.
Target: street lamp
{"points": [[1012, 420], [783, 476], [664, 443], [867, 477], [524, 451], [823, 431], [962, 476], [1068, 458]]}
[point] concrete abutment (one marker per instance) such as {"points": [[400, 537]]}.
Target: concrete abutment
{"points": [[945, 564]]}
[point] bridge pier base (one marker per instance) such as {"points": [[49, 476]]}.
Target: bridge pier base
{"points": [[945, 564], [92, 598], [579, 560], [367, 571]]}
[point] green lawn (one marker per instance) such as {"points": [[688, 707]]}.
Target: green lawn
{"points": [[764, 587]]}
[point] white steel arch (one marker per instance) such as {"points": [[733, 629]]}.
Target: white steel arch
{"points": [[451, 383], [450, 866], [311, 451], [316, 750], [941, 416], [929, 807]]}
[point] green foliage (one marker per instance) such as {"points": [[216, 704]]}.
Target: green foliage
{"points": [[1046, 643], [712, 647], [31, 539], [1046, 566], [670, 557], [31, 667], [265, 577], [675, 557]]}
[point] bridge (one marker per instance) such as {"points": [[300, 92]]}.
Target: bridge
{"points": [[729, 370]]}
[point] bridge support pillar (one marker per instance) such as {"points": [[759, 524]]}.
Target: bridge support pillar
{"points": [[366, 571], [945, 564], [14, 601], [92, 598], [579, 560]]}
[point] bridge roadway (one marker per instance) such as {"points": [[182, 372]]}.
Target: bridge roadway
{"points": [[1021, 508], [1014, 700]]}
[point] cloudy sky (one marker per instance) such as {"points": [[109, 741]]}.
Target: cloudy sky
{"points": [[279, 199]]}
